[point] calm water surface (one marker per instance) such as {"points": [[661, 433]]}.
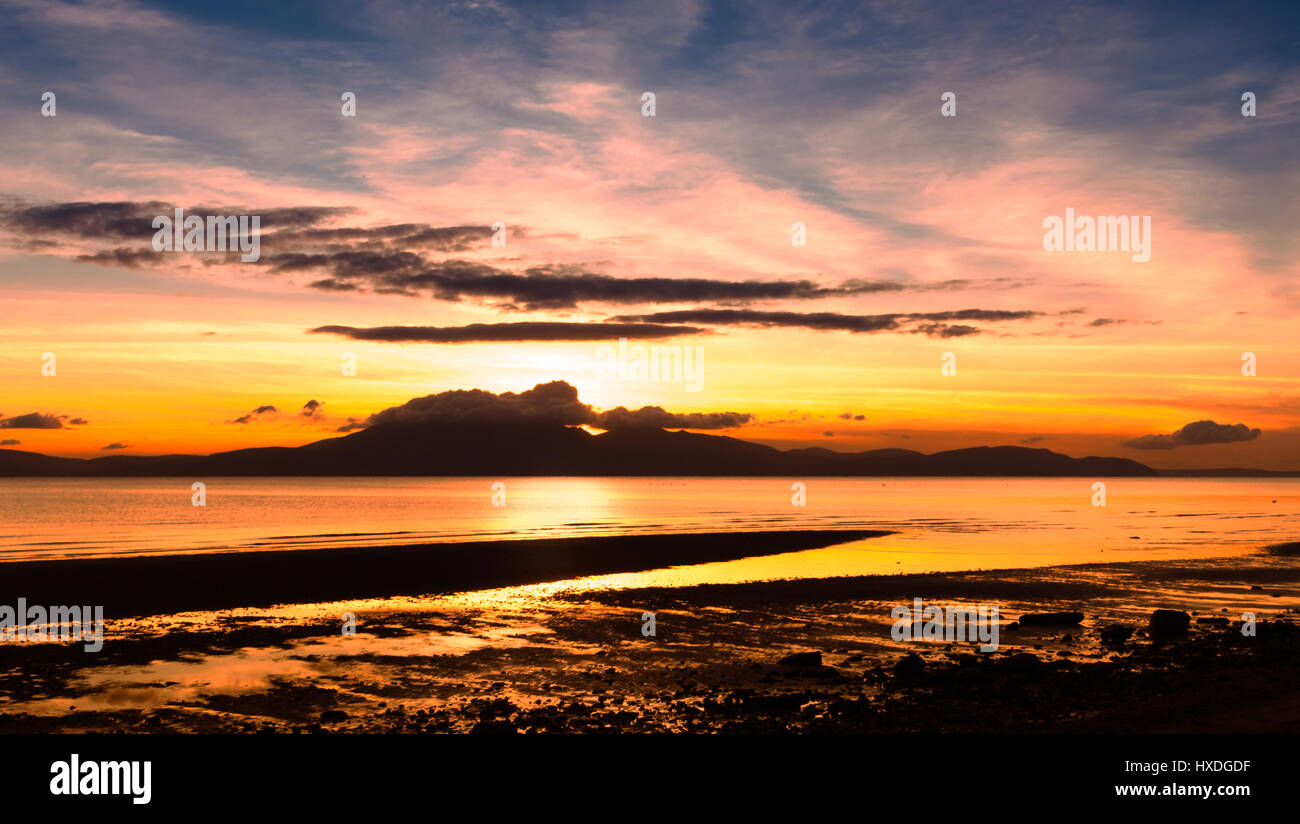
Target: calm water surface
{"points": [[942, 523]]}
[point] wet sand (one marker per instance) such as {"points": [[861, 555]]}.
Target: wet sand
{"points": [[546, 659], [153, 584]]}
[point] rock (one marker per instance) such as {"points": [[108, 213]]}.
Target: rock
{"points": [[494, 727], [1116, 634], [909, 667], [1039, 619], [1021, 662], [330, 716], [1168, 623], [802, 659], [1214, 622]]}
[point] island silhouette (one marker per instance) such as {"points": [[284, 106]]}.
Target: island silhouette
{"points": [[495, 449]]}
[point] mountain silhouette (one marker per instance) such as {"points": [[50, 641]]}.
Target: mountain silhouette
{"points": [[544, 449]]}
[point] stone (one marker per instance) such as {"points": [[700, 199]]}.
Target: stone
{"points": [[1051, 619], [1116, 634], [802, 659], [909, 667], [1168, 623]]}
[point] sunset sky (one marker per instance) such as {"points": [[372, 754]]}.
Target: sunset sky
{"points": [[924, 232]]}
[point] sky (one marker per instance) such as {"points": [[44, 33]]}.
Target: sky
{"points": [[501, 209]]}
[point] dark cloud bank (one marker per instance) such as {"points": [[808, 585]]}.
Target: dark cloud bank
{"points": [[553, 403], [393, 259], [1198, 433], [509, 332], [38, 420], [672, 324]]}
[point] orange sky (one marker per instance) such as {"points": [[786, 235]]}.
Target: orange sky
{"points": [[161, 354]]}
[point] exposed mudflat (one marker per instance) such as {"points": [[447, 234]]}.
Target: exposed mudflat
{"points": [[539, 659]]}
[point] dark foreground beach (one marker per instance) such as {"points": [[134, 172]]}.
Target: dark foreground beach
{"points": [[799, 655]]}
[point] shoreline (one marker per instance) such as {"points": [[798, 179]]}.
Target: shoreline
{"points": [[578, 661], [161, 584]]}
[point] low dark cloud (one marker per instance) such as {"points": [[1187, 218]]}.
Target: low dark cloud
{"points": [[925, 323], [266, 409], [550, 403], [417, 235], [311, 409], [991, 315], [124, 258], [849, 416], [562, 286], [128, 220], [509, 332], [115, 221], [395, 259], [944, 330], [33, 420], [554, 403], [1198, 433], [292, 238], [552, 286], [352, 425], [115, 446], [656, 417], [10, 442], [825, 321]]}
